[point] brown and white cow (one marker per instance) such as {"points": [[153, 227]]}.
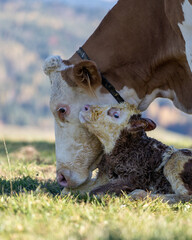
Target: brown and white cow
{"points": [[144, 48]]}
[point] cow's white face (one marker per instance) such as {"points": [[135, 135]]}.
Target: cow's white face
{"points": [[77, 150]]}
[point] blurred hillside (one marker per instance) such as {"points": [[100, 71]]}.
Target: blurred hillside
{"points": [[34, 29]]}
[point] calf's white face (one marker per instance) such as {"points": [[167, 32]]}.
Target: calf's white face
{"points": [[107, 122]]}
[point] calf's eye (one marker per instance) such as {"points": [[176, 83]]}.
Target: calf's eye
{"points": [[116, 115], [114, 112]]}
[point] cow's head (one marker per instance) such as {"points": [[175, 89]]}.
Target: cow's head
{"points": [[77, 149]]}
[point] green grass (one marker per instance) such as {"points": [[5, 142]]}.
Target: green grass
{"points": [[31, 206]]}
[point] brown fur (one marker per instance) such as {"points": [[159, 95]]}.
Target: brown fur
{"points": [[186, 152], [131, 165], [186, 175], [85, 74], [139, 45]]}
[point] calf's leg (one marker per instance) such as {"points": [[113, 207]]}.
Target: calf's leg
{"points": [[178, 171]]}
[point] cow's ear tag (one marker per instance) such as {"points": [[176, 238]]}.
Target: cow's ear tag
{"points": [[87, 75], [141, 124]]}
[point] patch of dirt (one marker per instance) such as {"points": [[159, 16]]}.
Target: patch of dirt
{"points": [[46, 172], [28, 153]]}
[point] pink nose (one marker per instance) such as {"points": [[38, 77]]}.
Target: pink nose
{"points": [[62, 180], [86, 107]]}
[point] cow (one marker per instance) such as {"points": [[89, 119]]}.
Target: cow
{"points": [[144, 49]]}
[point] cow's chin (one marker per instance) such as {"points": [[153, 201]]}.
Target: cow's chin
{"points": [[70, 178], [77, 153]]}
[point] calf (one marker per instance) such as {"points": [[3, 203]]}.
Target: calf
{"points": [[132, 160]]}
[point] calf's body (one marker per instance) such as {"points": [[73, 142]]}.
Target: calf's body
{"points": [[132, 160], [133, 164]]}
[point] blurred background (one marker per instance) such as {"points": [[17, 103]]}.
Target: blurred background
{"points": [[34, 29]]}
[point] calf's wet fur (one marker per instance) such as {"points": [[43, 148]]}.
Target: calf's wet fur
{"points": [[131, 159]]}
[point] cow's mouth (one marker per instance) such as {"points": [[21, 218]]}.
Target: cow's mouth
{"points": [[62, 180]]}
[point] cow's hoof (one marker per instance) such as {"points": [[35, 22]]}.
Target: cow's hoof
{"points": [[51, 64]]}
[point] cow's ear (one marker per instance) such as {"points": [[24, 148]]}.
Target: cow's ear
{"points": [[68, 77], [87, 75], [140, 124]]}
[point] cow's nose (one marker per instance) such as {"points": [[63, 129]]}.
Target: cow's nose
{"points": [[87, 107], [62, 180]]}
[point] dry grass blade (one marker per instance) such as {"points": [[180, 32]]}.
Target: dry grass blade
{"points": [[9, 163]]}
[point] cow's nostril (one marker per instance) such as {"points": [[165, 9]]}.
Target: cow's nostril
{"points": [[62, 180]]}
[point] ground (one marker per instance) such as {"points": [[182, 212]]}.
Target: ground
{"points": [[31, 206]]}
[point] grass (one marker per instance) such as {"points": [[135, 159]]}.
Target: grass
{"points": [[34, 209]]}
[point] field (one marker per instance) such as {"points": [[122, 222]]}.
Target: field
{"points": [[31, 206]]}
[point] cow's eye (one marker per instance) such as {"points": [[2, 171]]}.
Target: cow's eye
{"points": [[116, 115], [61, 110]]}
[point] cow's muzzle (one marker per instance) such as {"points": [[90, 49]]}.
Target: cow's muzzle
{"points": [[70, 179], [62, 180]]}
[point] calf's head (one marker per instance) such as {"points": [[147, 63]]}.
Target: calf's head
{"points": [[107, 122]]}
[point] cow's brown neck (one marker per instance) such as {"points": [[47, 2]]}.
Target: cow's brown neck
{"points": [[106, 84], [140, 46]]}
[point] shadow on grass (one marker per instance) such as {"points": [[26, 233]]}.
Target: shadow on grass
{"points": [[28, 184]]}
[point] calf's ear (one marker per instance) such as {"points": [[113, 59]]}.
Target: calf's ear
{"points": [[140, 124], [87, 76]]}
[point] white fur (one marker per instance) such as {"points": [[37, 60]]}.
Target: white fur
{"points": [[73, 159], [186, 30], [166, 156], [74, 151], [170, 94], [130, 96], [150, 97], [51, 63]]}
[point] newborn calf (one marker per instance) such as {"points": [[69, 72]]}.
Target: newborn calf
{"points": [[132, 160]]}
